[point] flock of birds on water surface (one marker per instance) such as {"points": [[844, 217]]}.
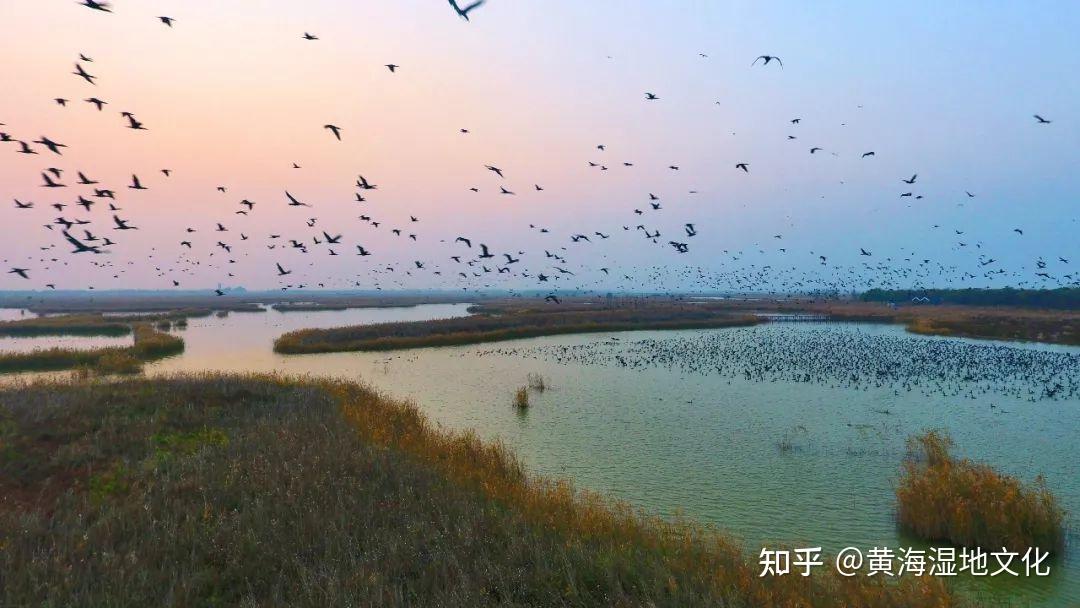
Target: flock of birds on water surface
{"points": [[835, 356], [94, 219]]}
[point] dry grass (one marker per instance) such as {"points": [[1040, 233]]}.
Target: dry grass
{"points": [[521, 398], [66, 325], [998, 323], [148, 344], [503, 324], [941, 497], [257, 491]]}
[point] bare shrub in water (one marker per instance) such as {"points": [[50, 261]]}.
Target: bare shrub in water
{"points": [[537, 383]]}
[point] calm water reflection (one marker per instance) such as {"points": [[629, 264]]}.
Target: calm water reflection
{"points": [[671, 440]]}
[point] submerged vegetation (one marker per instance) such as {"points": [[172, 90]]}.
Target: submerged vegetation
{"points": [[504, 324], [940, 497], [226, 490], [148, 344]]}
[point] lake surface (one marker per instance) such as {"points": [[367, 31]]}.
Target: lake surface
{"points": [[694, 421]]}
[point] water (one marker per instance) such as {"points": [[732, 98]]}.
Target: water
{"points": [[9, 344], [647, 417]]}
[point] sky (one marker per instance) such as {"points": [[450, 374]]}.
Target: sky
{"points": [[232, 96]]}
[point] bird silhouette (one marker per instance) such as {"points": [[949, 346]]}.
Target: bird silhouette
{"points": [[464, 12], [81, 73]]}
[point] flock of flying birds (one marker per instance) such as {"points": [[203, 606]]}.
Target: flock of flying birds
{"points": [[94, 218]]}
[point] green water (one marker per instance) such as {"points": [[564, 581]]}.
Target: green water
{"points": [[674, 438]]}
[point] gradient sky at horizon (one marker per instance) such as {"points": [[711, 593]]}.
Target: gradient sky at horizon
{"points": [[232, 96]]}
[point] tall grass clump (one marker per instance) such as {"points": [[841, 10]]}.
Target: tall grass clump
{"points": [[940, 497], [521, 398]]}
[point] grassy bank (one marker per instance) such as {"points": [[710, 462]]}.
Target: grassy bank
{"points": [[65, 325], [219, 490], [148, 344], [941, 497], [505, 324], [93, 324]]}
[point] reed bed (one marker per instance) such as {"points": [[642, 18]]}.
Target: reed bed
{"points": [[940, 497], [65, 325], [996, 323], [228, 490], [148, 344], [482, 328]]}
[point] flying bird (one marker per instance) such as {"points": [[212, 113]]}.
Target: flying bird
{"points": [[767, 59], [464, 12], [336, 130], [97, 5], [81, 73], [293, 202]]}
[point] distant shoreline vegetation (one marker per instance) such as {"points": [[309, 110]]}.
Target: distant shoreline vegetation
{"points": [[91, 324], [493, 324], [1067, 298]]}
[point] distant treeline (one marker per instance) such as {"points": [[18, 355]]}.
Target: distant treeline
{"points": [[1063, 297]]}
